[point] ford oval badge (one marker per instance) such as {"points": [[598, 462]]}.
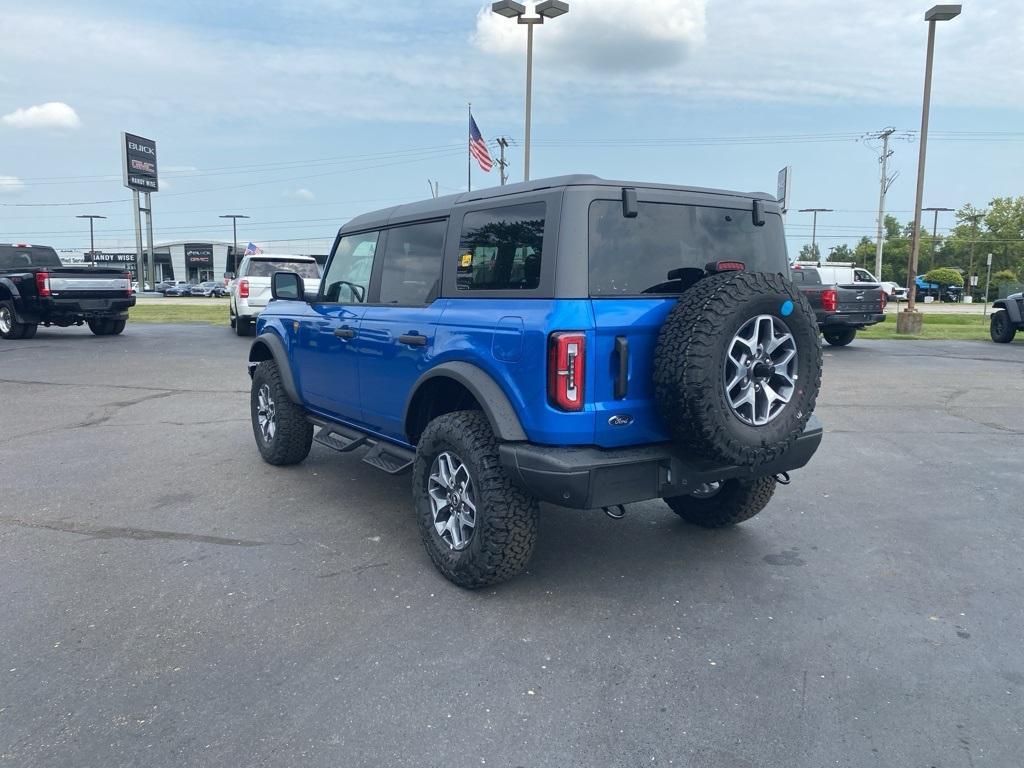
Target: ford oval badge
{"points": [[620, 420]]}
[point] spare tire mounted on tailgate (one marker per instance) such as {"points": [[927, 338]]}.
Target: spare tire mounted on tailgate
{"points": [[737, 367]]}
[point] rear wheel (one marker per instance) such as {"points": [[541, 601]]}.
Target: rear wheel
{"points": [[477, 526], [1000, 327], [10, 328], [100, 327], [243, 325], [719, 505], [840, 337], [117, 326]]}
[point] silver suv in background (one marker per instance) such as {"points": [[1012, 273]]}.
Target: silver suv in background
{"points": [[250, 290]]}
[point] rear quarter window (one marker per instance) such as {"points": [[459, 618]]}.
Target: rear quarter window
{"points": [[501, 249], [634, 256]]}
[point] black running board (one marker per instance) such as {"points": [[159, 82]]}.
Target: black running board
{"points": [[386, 457]]}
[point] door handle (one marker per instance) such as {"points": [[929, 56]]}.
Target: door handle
{"points": [[413, 340], [622, 376], [345, 333]]}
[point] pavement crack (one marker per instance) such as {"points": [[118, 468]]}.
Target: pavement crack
{"points": [[137, 534]]}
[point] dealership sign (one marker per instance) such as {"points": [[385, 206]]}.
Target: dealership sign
{"points": [[106, 256], [198, 255], [138, 163]]}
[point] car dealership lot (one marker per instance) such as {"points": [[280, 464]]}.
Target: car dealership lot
{"points": [[171, 600]]}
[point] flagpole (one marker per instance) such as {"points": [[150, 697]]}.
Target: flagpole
{"points": [[469, 155]]}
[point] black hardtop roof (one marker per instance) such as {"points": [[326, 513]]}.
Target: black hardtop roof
{"points": [[441, 206]]}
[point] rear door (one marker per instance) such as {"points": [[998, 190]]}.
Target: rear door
{"points": [[397, 332], [637, 268], [325, 354]]}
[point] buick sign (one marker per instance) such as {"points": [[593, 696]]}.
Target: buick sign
{"points": [[138, 163]]}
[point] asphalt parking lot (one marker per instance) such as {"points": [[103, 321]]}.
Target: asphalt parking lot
{"points": [[170, 600]]}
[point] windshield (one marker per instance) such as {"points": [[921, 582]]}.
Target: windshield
{"points": [[266, 268], [13, 257], [634, 256]]}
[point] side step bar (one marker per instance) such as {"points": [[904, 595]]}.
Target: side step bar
{"points": [[389, 458]]}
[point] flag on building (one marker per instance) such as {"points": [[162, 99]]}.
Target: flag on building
{"points": [[478, 147], [252, 250]]}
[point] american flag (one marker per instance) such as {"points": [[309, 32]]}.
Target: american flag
{"points": [[252, 250], [478, 147]]}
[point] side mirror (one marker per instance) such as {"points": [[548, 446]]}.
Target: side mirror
{"points": [[287, 286]]}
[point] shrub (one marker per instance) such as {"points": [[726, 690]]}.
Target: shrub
{"points": [[944, 276]]}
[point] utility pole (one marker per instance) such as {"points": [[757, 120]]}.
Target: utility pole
{"points": [[814, 227], [884, 183], [935, 229], [90, 217], [974, 218], [988, 285], [502, 162]]}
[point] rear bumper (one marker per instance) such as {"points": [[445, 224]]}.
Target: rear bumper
{"points": [[589, 477], [72, 310], [859, 320]]}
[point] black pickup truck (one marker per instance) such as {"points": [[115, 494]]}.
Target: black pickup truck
{"points": [[36, 289], [841, 310]]}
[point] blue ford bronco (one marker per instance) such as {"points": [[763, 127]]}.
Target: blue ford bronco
{"points": [[583, 342]]}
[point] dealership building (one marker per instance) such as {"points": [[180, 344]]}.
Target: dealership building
{"points": [[191, 261]]}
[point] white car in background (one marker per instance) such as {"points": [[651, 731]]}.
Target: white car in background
{"points": [[250, 290]]}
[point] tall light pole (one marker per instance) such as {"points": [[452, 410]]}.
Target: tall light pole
{"points": [[935, 228], [814, 227], [234, 231], [90, 217], [908, 321], [549, 9]]}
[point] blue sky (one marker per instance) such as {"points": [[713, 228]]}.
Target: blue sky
{"points": [[302, 114]]}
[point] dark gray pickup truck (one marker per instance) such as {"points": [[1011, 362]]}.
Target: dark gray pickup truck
{"points": [[36, 289], [841, 310]]}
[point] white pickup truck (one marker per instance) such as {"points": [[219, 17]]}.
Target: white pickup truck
{"points": [[250, 290]]}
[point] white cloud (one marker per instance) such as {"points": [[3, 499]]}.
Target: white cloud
{"points": [[11, 185], [303, 194], [606, 36], [52, 114]]}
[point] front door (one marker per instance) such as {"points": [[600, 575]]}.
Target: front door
{"points": [[396, 334], [326, 352]]}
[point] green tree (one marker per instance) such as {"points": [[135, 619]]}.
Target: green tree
{"points": [[810, 253], [841, 253], [944, 276]]}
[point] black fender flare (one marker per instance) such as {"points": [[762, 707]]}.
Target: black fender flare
{"points": [[268, 346], [1012, 308], [11, 287], [492, 398]]}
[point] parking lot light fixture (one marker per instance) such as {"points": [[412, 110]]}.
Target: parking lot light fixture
{"points": [[549, 9], [907, 321], [234, 231], [91, 217]]}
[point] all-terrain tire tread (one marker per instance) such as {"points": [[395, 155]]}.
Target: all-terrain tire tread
{"points": [[294, 435], [738, 500], [507, 516]]}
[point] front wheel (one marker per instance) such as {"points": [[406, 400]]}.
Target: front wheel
{"points": [[1000, 328], [477, 526], [283, 434], [841, 337], [719, 505]]}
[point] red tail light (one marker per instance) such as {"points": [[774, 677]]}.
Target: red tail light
{"points": [[566, 369], [243, 289], [829, 299], [43, 284], [128, 288], [885, 300]]}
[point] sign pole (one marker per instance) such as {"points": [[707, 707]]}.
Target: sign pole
{"points": [[138, 235], [988, 285], [149, 241]]}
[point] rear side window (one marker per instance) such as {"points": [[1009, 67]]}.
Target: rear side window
{"points": [[634, 256], [266, 268], [501, 248], [805, 276], [12, 257], [348, 275], [411, 273]]}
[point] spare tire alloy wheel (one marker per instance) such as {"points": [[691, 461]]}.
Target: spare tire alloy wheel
{"points": [[737, 368], [761, 370]]}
